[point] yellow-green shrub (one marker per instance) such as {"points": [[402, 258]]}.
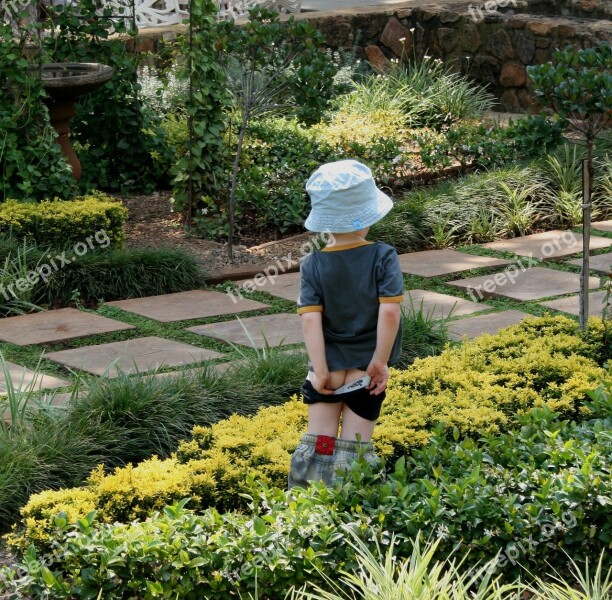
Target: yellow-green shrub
{"points": [[64, 223], [378, 137], [477, 387]]}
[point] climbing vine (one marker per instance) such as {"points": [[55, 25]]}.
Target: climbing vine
{"points": [[199, 176]]}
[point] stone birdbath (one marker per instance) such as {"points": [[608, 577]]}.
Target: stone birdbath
{"points": [[64, 83]]}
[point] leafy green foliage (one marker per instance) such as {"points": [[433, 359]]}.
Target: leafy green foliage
{"points": [[273, 68], [501, 202], [484, 145], [117, 155], [578, 86], [200, 174], [32, 166], [521, 500]]}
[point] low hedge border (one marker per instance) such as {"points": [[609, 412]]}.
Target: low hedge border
{"points": [[65, 222], [483, 386]]}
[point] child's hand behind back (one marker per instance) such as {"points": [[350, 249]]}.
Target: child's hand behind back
{"points": [[379, 372]]}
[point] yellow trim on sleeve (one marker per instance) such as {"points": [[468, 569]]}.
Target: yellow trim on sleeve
{"points": [[390, 299], [308, 309]]}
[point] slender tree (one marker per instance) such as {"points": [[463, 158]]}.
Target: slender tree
{"points": [[578, 87]]}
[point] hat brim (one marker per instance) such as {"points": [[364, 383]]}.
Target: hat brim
{"points": [[374, 212]]}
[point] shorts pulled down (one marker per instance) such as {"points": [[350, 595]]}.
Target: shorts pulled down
{"points": [[360, 401], [320, 458]]}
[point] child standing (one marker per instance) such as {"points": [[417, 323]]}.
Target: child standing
{"points": [[349, 303]]}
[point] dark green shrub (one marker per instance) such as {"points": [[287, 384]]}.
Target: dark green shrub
{"points": [[278, 157], [32, 166], [121, 274], [63, 224], [483, 145]]}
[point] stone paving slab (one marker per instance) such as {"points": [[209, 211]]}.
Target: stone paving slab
{"points": [[490, 323], [138, 355], [571, 304], [603, 225], [440, 306], [601, 263], [433, 263], [548, 245], [285, 286], [279, 329], [56, 326], [531, 284], [24, 379], [182, 306]]}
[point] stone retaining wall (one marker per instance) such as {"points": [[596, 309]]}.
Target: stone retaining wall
{"points": [[492, 46]]}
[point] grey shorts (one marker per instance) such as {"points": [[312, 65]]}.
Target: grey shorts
{"points": [[320, 457]]}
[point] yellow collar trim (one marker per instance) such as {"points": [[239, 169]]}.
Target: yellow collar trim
{"points": [[346, 247]]}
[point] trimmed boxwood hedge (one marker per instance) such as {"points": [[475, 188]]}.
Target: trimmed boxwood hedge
{"points": [[65, 223]]}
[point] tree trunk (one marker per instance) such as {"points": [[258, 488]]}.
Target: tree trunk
{"points": [[232, 198], [587, 166]]}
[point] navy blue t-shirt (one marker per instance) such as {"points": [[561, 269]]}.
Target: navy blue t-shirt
{"points": [[347, 284]]}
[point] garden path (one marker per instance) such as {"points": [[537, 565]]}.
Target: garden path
{"points": [[480, 289]]}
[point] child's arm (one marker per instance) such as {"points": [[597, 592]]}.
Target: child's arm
{"points": [[312, 327], [389, 315]]}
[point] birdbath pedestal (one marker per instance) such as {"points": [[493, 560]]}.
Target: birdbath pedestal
{"points": [[64, 83]]}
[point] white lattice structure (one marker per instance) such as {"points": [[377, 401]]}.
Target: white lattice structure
{"points": [[232, 9], [157, 13]]}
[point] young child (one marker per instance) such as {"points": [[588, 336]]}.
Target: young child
{"points": [[349, 304]]}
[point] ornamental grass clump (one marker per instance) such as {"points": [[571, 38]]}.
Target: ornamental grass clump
{"points": [[481, 387]]}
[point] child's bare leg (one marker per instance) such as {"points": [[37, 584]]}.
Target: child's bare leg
{"points": [[324, 418], [353, 425]]}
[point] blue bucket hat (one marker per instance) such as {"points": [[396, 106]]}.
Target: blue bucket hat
{"points": [[344, 198]]}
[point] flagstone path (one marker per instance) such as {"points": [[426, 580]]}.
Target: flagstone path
{"points": [[473, 303]]}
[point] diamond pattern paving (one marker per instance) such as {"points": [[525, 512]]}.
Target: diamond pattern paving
{"points": [[440, 306], [24, 379], [530, 284], [571, 304], [138, 355], [548, 245], [55, 326], [275, 330], [196, 304], [601, 263], [603, 225], [491, 323], [285, 286], [433, 263]]}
